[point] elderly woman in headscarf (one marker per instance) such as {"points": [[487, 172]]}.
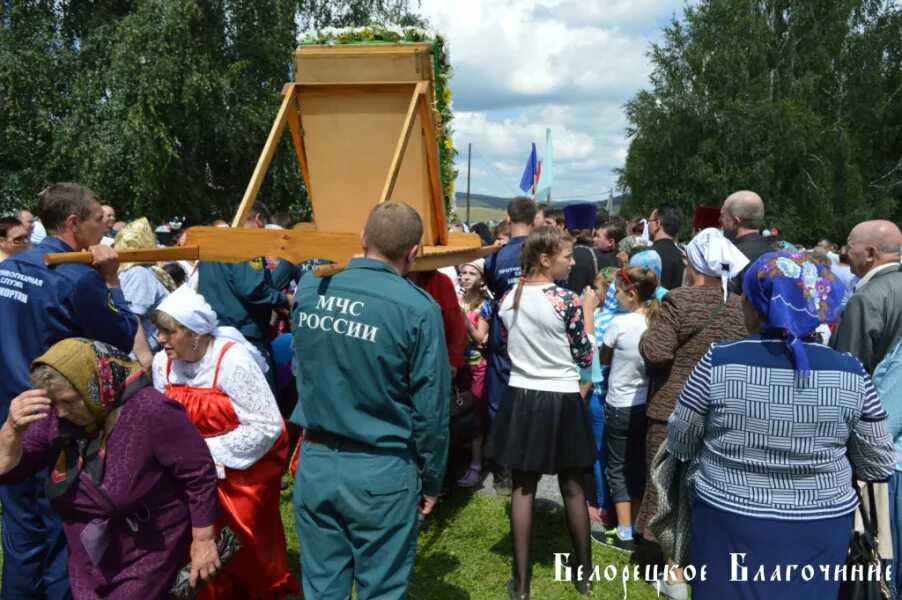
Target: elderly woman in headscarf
{"points": [[775, 426], [690, 320], [132, 501], [217, 375], [143, 285]]}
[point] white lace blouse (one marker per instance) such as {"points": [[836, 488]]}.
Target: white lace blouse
{"points": [[260, 422]]}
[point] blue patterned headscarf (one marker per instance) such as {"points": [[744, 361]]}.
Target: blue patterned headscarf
{"points": [[794, 295]]}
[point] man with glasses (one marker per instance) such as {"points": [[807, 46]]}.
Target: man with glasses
{"points": [[14, 237]]}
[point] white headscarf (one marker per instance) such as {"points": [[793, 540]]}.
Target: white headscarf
{"points": [[191, 310], [710, 253]]}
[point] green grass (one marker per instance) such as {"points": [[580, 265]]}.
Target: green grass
{"points": [[480, 214], [464, 552]]}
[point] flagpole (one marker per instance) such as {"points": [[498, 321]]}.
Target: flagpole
{"points": [[469, 153]]}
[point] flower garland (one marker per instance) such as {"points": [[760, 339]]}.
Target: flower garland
{"points": [[393, 34]]}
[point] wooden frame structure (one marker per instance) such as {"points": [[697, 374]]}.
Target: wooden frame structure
{"points": [[364, 131]]}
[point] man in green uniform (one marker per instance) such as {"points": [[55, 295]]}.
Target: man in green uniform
{"points": [[373, 388]]}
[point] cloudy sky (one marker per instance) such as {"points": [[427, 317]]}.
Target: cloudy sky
{"points": [[524, 65]]}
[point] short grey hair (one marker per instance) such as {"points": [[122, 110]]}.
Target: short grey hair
{"points": [[749, 212], [46, 377]]}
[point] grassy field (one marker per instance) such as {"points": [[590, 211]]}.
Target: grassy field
{"points": [[464, 552], [480, 214]]}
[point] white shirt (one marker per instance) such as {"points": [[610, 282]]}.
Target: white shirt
{"points": [[545, 338], [260, 422], [870, 274], [627, 381]]}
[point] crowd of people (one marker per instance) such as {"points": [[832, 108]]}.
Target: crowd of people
{"points": [[695, 399]]}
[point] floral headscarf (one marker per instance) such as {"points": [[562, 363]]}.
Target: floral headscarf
{"points": [[105, 378], [794, 295]]}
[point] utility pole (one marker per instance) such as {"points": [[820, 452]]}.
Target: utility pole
{"points": [[469, 153]]}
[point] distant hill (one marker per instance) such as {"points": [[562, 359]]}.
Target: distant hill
{"points": [[500, 203]]}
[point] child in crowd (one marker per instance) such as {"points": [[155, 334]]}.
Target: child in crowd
{"points": [[542, 424], [477, 309], [624, 411], [593, 384]]}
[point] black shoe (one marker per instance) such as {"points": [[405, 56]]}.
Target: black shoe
{"points": [[612, 539], [512, 591], [583, 587]]}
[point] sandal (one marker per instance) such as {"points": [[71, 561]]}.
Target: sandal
{"points": [[472, 477]]}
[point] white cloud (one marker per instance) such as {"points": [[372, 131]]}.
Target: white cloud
{"points": [[524, 65]]}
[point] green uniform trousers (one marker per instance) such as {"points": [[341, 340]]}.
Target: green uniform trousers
{"points": [[356, 518]]}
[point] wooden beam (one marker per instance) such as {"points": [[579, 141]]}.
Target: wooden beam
{"points": [[269, 149], [297, 138], [406, 128], [433, 169]]}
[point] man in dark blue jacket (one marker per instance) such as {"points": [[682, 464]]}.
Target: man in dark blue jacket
{"points": [[40, 306]]}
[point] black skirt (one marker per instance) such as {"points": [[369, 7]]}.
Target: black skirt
{"points": [[541, 432]]}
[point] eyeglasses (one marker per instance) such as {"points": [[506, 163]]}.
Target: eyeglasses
{"points": [[19, 241]]}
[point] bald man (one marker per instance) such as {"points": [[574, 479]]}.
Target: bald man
{"points": [[871, 323], [741, 217]]}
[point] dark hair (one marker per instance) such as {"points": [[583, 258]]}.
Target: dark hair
{"points": [[482, 230], [260, 210], [671, 218], [544, 239], [542, 208], [502, 228], [7, 223], [175, 271], [555, 213], [582, 236], [282, 219], [60, 200], [522, 210], [616, 231], [602, 217], [392, 229]]}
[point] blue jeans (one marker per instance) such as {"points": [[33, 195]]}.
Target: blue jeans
{"points": [[596, 412], [34, 548], [894, 487]]}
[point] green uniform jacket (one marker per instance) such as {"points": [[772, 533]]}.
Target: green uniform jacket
{"points": [[242, 294], [372, 363]]}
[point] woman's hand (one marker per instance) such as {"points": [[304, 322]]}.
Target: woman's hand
{"points": [[204, 555], [26, 408]]}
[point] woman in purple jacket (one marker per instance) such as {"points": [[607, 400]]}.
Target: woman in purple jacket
{"points": [[133, 502]]}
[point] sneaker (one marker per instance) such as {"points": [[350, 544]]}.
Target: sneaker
{"points": [[612, 538], [471, 477], [673, 591]]}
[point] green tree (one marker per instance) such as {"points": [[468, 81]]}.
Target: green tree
{"points": [[798, 100], [162, 106]]}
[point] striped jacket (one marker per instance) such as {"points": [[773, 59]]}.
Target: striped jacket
{"points": [[766, 443]]}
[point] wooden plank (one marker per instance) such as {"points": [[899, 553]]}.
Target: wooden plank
{"points": [[406, 128], [434, 257], [297, 138], [145, 255], [269, 149], [235, 245], [433, 169]]}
